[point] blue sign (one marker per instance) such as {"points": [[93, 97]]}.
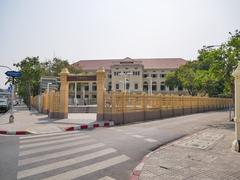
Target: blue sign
{"points": [[13, 73]]}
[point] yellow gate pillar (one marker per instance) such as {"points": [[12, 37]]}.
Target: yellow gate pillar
{"points": [[236, 142], [63, 111], [101, 77]]}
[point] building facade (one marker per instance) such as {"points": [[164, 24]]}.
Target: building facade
{"points": [[129, 75]]}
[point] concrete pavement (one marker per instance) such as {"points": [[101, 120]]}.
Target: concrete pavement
{"points": [[33, 122], [206, 154]]}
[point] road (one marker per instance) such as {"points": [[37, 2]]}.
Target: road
{"points": [[103, 153]]}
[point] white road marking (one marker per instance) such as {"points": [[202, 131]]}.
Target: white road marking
{"points": [[137, 136], [76, 173], [106, 178], [64, 163], [52, 142], [150, 140], [56, 147], [58, 154], [23, 141], [49, 134]]}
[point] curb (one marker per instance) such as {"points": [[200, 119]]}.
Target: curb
{"points": [[138, 169], [90, 126], [14, 132]]}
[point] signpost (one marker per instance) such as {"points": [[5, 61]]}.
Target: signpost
{"points": [[13, 74]]}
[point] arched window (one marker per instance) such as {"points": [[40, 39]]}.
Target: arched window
{"points": [[109, 86], [154, 86], [162, 86], [145, 86]]}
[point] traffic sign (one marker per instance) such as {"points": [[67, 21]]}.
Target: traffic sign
{"points": [[13, 73]]}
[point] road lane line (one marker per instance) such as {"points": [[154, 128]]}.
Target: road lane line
{"points": [[150, 140], [76, 173], [64, 163], [137, 136], [58, 154], [55, 147], [52, 142]]}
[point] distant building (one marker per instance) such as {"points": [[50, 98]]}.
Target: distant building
{"points": [[131, 75], [50, 82]]}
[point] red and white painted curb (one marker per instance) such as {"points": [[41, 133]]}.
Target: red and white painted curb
{"points": [[14, 132], [91, 126], [137, 170]]}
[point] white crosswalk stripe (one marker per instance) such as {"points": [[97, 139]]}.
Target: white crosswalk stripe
{"points": [[56, 147], [52, 142], [25, 141], [48, 135], [59, 154], [49, 155], [89, 169]]}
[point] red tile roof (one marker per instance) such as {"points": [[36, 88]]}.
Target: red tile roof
{"points": [[152, 63]]}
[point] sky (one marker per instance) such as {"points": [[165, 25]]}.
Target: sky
{"points": [[106, 29]]}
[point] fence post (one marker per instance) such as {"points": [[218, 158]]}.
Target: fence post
{"points": [[236, 142], [101, 76]]}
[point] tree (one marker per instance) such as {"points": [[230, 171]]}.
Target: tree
{"points": [[28, 83], [211, 73], [54, 67]]}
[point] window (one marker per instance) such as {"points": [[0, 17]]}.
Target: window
{"points": [[117, 73], [145, 75], [154, 75], [117, 86], [86, 96], [136, 86], [171, 88], [145, 86], [162, 87], [136, 73], [78, 96], [109, 76], [154, 86], [94, 87], [94, 96], [109, 86], [127, 85], [86, 88], [162, 75]]}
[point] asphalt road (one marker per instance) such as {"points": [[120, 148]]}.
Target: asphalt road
{"points": [[107, 153]]}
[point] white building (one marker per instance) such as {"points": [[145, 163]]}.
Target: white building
{"points": [[131, 75]]}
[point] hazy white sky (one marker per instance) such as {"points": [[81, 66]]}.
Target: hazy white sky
{"points": [[97, 29]]}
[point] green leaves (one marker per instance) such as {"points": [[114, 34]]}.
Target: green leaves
{"points": [[211, 74]]}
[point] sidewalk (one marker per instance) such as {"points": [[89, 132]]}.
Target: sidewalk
{"points": [[34, 122], [204, 155]]}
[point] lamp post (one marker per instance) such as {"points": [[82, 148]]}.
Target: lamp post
{"points": [[150, 85], [48, 86], [124, 75]]}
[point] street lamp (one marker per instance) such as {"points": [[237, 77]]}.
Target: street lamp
{"points": [[48, 86], [150, 85], [125, 75]]}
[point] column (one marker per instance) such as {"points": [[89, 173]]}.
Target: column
{"points": [[236, 142], [64, 93], [75, 93], [101, 77]]}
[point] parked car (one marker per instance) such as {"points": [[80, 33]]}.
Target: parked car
{"points": [[4, 105]]}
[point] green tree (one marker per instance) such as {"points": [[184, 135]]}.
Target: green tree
{"points": [[54, 67], [28, 83]]}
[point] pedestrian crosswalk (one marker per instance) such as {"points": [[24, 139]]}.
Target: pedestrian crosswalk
{"points": [[69, 155]]}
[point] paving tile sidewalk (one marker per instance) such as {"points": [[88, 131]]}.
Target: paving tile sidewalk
{"points": [[35, 122], [204, 155]]}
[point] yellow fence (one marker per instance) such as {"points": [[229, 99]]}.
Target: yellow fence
{"points": [[126, 107], [47, 103]]}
